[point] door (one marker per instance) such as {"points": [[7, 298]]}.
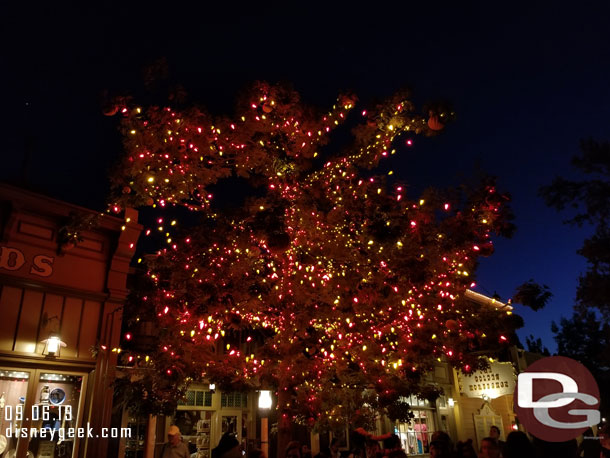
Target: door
{"points": [[230, 422]]}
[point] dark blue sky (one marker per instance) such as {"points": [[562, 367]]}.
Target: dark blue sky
{"points": [[527, 82]]}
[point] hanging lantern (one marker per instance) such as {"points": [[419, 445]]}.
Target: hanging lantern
{"points": [[52, 345]]}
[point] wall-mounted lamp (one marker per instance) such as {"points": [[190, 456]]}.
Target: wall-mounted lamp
{"points": [[212, 387], [450, 402], [52, 345]]}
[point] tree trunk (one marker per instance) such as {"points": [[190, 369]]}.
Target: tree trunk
{"points": [[284, 423]]}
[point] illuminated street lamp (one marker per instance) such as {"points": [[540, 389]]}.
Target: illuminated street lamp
{"points": [[264, 404], [264, 399]]}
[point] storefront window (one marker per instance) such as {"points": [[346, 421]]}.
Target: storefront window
{"points": [[13, 392], [204, 415], [196, 429], [415, 435], [54, 412], [234, 399], [199, 398], [134, 445]]}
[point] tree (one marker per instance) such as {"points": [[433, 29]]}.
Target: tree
{"points": [[535, 345], [583, 338], [586, 339], [586, 336], [592, 200], [327, 283]]}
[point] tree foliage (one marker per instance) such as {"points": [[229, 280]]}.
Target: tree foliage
{"points": [[591, 200], [586, 336], [533, 295], [329, 282], [535, 345]]}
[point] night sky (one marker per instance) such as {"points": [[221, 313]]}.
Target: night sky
{"points": [[527, 83]]}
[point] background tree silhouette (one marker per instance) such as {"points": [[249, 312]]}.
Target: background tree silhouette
{"points": [[586, 335]]}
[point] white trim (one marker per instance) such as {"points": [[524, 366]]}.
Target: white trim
{"points": [[485, 300]]}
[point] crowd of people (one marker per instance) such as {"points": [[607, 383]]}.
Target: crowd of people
{"points": [[517, 445]]}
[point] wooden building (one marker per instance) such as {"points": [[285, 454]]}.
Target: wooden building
{"points": [[60, 318]]}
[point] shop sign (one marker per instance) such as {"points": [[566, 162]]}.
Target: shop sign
{"points": [[13, 259], [496, 381]]}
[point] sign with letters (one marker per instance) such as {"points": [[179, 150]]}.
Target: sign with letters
{"points": [[496, 381], [12, 259]]}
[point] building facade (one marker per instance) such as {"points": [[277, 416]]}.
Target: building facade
{"points": [[203, 416], [60, 318], [470, 404]]}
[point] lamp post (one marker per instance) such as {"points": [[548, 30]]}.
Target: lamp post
{"points": [[264, 404]]}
